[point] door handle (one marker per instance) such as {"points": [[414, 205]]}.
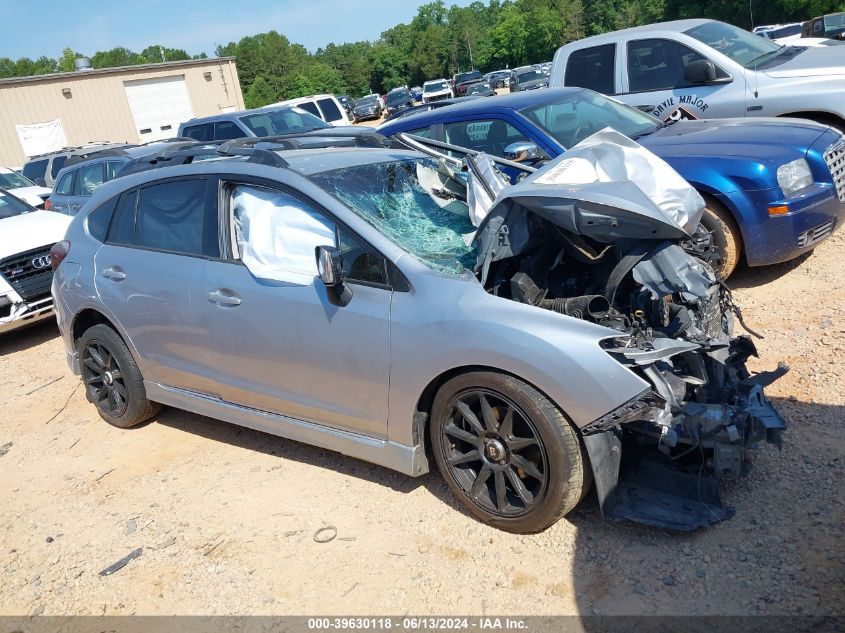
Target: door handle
{"points": [[115, 273], [645, 107], [224, 298]]}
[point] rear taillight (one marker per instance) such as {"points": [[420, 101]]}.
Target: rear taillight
{"points": [[47, 204], [58, 253]]}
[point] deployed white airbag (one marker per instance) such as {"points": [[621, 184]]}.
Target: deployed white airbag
{"points": [[277, 234]]}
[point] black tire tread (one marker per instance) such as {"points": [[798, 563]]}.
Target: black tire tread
{"points": [[722, 220], [139, 408]]}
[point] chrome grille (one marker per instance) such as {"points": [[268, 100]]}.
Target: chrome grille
{"points": [[29, 281], [834, 156], [816, 235]]}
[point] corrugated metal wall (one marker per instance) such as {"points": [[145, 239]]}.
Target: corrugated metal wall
{"points": [[98, 110]]}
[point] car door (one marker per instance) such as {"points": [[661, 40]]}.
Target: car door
{"points": [[291, 351], [151, 275], [88, 178], [655, 83], [62, 192]]}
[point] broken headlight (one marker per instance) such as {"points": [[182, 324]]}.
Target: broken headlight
{"points": [[794, 176]]}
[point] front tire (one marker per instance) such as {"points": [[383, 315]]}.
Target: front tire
{"points": [[507, 453], [727, 240], [112, 380]]}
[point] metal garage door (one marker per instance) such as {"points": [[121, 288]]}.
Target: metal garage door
{"points": [[158, 106]]}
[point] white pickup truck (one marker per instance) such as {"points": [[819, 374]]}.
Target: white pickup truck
{"points": [[691, 69]]}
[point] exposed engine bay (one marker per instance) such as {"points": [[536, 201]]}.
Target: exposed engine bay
{"points": [[610, 234]]}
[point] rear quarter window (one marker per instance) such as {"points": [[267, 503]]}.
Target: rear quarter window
{"points": [[99, 219], [330, 110], [311, 107], [35, 170], [592, 68], [56, 166], [202, 133]]}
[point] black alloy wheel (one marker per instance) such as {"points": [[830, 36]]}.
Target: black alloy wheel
{"points": [[494, 453], [103, 379]]}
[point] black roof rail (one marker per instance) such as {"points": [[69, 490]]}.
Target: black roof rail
{"points": [[180, 153], [97, 153], [244, 147], [173, 139]]}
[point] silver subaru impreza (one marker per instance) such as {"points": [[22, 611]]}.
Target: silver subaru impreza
{"points": [[398, 306]]}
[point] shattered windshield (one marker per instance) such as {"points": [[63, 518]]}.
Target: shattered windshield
{"points": [[575, 116], [397, 198]]}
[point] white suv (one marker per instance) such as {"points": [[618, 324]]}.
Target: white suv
{"points": [[26, 237], [436, 90], [325, 107]]}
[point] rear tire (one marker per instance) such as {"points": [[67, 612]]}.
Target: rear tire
{"points": [[112, 380], [507, 453], [727, 239]]}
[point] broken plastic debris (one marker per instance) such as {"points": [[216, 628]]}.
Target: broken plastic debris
{"points": [[135, 553]]}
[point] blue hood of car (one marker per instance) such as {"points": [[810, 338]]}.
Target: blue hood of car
{"points": [[775, 140]]}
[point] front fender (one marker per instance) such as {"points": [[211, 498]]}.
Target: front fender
{"points": [[558, 355]]}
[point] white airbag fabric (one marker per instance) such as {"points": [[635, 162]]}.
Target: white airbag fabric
{"points": [[277, 234]]}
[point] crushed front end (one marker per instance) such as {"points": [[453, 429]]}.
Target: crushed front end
{"points": [[610, 234]]}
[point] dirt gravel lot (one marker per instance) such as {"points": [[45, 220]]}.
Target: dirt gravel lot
{"points": [[225, 516]]}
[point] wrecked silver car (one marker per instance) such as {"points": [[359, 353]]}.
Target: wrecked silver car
{"points": [[611, 234], [394, 305]]}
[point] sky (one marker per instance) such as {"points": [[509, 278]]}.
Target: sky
{"points": [[31, 28]]}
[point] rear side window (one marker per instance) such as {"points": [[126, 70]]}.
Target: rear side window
{"points": [[99, 219], [201, 133], [88, 178], [65, 185], [35, 171], [112, 167], [310, 106], [592, 68], [171, 216], [330, 110], [123, 228], [56, 166], [226, 131]]}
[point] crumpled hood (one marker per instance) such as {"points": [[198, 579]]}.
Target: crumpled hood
{"points": [[812, 61], [606, 188], [778, 140], [25, 232]]}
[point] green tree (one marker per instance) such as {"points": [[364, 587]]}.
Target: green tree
{"points": [[67, 62], [118, 56]]}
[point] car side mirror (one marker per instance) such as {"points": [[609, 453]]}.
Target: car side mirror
{"points": [[523, 151], [330, 270], [701, 71]]}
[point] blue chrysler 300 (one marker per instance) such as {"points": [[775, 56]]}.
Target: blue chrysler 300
{"points": [[774, 188]]}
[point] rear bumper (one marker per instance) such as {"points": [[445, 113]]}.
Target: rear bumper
{"points": [[812, 218]]}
